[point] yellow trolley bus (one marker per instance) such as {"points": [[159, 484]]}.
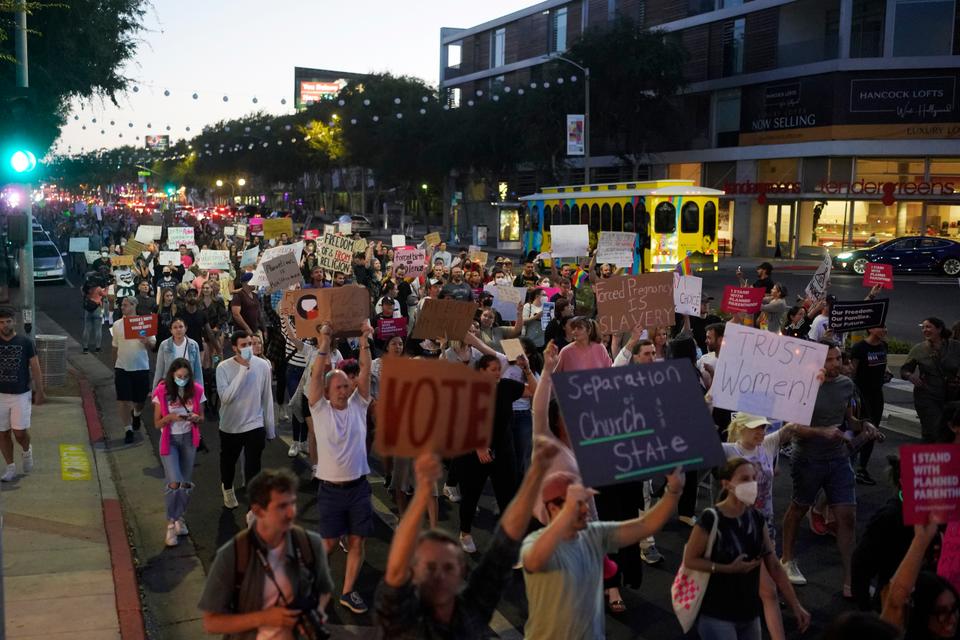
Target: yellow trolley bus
{"points": [[673, 219]]}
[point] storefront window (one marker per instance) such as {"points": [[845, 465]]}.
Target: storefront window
{"points": [[509, 225], [725, 227], [845, 223], [890, 170], [944, 220]]}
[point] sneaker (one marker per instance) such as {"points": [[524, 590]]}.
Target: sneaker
{"points": [[28, 460], [250, 518], [354, 602], [864, 477], [651, 555], [229, 498], [293, 450], [452, 493], [128, 436], [817, 524], [342, 542], [171, 538], [688, 520], [466, 541], [10, 473], [182, 527], [85, 351], [793, 572], [136, 422]]}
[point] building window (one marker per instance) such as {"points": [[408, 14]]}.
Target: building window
{"points": [[866, 30], [454, 55], [923, 27], [497, 48], [733, 35], [611, 10], [453, 98], [726, 119], [558, 30]]}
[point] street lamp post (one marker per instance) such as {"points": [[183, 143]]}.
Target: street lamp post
{"points": [[242, 182], [220, 184], [586, 114]]}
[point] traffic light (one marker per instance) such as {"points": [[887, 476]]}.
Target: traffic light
{"points": [[22, 161], [18, 163]]}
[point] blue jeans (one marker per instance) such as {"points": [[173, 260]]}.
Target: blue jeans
{"points": [[92, 329], [178, 470], [523, 440], [294, 373], [716, 629]]}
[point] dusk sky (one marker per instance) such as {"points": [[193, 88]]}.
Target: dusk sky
{"points": [[246, 48]]}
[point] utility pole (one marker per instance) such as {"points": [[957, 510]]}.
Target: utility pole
{"points": [[26, 254]]}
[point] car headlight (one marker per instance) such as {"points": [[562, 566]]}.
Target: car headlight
{"points": [[845, 255]]}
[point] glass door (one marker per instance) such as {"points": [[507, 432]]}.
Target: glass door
{"points": [[780, 223]]}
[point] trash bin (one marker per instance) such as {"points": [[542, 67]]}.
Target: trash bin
{"points": [[52, 352]]}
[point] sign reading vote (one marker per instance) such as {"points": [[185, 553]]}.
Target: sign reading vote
{"points": [[624, 302], [877, 273], [433, 405], [637, 421], [930, 478], [139, 326], [858, 315], [767, 374], [742, 299]]}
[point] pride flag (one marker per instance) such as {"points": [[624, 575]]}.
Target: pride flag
{"points": [[683, 267]]}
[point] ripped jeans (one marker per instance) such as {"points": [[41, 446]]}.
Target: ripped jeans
{"points": [[177, 471]]}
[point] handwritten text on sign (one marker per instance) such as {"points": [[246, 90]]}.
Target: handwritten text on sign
{"points": [[931, 482], [686, 294], [616, 247], [637, 421], [415, 260], [767, 374], [624, 302], [433, 405], [336, 253]]}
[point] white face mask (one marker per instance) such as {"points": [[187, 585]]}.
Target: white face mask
{"points": [[746, 492]]}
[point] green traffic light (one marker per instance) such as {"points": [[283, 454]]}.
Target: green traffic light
{"points": [[23, 161]]}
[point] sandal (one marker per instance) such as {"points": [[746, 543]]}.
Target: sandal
{"points": [[616, 606]]}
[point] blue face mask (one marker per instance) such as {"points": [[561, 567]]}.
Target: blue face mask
{"points": [[246, 353], [181, 382]]}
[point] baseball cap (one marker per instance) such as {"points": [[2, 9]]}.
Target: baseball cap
{"points": [[748, 420], [555, 485], [246, 277]]}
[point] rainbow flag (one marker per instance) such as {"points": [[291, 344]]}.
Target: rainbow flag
{"points": [[683, 267]]}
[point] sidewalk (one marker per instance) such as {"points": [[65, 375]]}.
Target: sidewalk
{"points": [[60, 580]]}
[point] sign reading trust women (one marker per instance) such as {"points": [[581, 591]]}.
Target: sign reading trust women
{"points": [[767, 374]]}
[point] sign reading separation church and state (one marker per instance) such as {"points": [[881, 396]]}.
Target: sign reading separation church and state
{"points": [[637, 421], [767, 374]]}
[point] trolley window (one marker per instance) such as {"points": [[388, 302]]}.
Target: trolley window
{"points": [[710, 220], [605, 218], [617, 217], [575, 214], [557, 214], [594, 218], [545, 217], [565, 216], [629, 224], [690, 218], [665, 218]]}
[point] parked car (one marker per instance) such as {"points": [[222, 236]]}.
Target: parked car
{"points": [[909, 254], [47, 262], [360, 224]]}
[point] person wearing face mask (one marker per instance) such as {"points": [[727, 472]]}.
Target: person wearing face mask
{"points": [[731, 605], [178, 410], [168, 280]]}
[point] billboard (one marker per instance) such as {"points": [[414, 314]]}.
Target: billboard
{"points": [[316, 85], [157, 143]]}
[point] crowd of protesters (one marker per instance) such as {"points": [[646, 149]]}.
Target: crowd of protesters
{"points": [[227, 349]]}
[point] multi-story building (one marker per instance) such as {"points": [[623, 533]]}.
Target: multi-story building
{"points": [[827, 122]]}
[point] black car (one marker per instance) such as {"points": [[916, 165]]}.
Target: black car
{"points": [[909, 254]]}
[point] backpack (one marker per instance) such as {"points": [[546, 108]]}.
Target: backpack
{"points": [[243, 550]]}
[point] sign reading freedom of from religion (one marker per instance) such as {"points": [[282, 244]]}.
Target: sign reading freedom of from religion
{"points": [[148, 233], [282, 271], [336, 253], [214, 259], [931, 482], [624, 302], [177, 236], [742, 299], [878, 273], [637, 421], [616, 248], [345, 309], [274, 227], [569, 240], [686, 294], [858, 315], [415, 260], [139, 326], [444, 318], [433, 405], [767, 374], [79, 245]]}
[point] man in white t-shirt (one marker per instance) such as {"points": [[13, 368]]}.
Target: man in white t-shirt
{"points": [[339, 413], [131, 371]]}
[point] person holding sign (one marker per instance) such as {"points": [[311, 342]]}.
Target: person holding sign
{"points": [[131, 371], [340, 426], [425, 591]]}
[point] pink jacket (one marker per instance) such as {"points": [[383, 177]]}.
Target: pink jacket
{"points": [[160, 393]]}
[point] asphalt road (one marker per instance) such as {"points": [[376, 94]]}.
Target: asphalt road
{"points": [[648, 614]]}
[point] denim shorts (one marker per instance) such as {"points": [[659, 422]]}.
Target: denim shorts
{"points": [[835, 477], [345, 510]]}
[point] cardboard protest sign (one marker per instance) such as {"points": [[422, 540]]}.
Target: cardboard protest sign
{"points": [[345, 228], [637, 421], [121, 261], [282, 271], [444, 318], [260, 276], [432, 239], [229, 232], [817, 286], [241, 231], [139, 326], [877, 273], [858, 315], [433, 405], [134, 248], [686, 294], [329, 229], [930, 478], [415, 260], [79, 245], [249, 257], [275, 227], [311, 234], [569, 240], [177, 236], [480, 257], [510, 294], [742, 299], [336, 253], [390, 327], [547, 314], [512, 348], [623, 302], [767, 374], [169, 258], [147, 233], [214, 259], [346, 309], [398, 240], [616, 248], [505, 307]]}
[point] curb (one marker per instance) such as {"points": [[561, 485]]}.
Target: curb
{"points": [[126, 588]]}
